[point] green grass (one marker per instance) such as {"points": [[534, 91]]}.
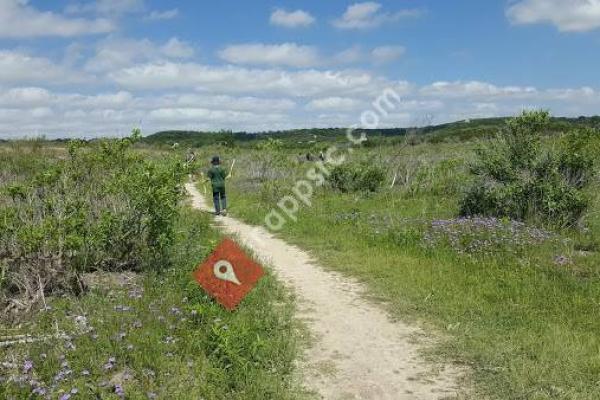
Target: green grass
{"points": [[527, 328], [167, 338]]}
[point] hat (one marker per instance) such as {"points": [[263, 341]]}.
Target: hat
{"points": [[215, 160]]}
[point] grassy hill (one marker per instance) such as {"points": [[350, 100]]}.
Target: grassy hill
{"points": [[301, 138]]}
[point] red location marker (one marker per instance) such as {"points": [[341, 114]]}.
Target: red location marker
{"points": [[228, 274]]}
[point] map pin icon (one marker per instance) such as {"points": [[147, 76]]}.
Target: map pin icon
{"points": [[224, 270]]}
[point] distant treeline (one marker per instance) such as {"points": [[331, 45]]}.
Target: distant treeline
{"points": [[314, 137], [455, 131]]}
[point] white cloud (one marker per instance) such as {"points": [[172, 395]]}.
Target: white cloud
{"points": [[17, 67], [19, 20], [15, 115], [567, 16], [115, 53], [107, 7], [25, 97], [176, 48], [299, 56], [477, 89], [291, 19], [102, 100], [386, 54], [335, 103], [163, 15], [178, 115], [368, 15], [349, 56], [34, 110], [418, 105], [231, 79], [221, 102], [286, 54], [490, 108], [574, 96], [294, 55]]}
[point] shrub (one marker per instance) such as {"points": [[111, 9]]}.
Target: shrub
{"points": [[520, 178], [103, 207], [357, 177]]}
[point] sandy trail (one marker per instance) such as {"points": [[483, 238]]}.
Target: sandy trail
{"points": [[358, 352]]}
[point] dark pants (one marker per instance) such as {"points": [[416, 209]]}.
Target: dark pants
{"points": [[220, 200]]}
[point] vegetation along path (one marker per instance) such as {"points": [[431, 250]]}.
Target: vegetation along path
{"points": [[358, 353]]}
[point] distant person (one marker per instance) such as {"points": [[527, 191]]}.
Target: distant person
{"points": [[217, 176]]}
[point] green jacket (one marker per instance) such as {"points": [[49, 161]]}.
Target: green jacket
{"points": [[217, 175]]}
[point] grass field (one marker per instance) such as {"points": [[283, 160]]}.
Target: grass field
{"points": [[523, 315], [517, 303], [152, 334]]}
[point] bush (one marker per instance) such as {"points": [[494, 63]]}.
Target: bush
{"points": [[103, 207], [357, 177], [519, 178]]}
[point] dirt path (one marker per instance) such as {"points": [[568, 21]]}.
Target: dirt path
{"points": [[358, 353]]}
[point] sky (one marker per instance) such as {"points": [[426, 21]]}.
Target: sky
{"points": [[87, 68]]}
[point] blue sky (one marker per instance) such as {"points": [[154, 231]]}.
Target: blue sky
{"points": [[87, 68]]}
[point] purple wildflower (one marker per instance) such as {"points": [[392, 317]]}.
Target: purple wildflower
{"points": [[62, 374], [119, 391], [562, 260], [40, 391], [27, 366], [110, 364], [135, 293], [483, 235]]}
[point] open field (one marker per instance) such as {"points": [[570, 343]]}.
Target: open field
{"points": [[513, 304], [523, 314]]}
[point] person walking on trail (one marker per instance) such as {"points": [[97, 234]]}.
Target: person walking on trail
{"points": [[217, 176]]}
